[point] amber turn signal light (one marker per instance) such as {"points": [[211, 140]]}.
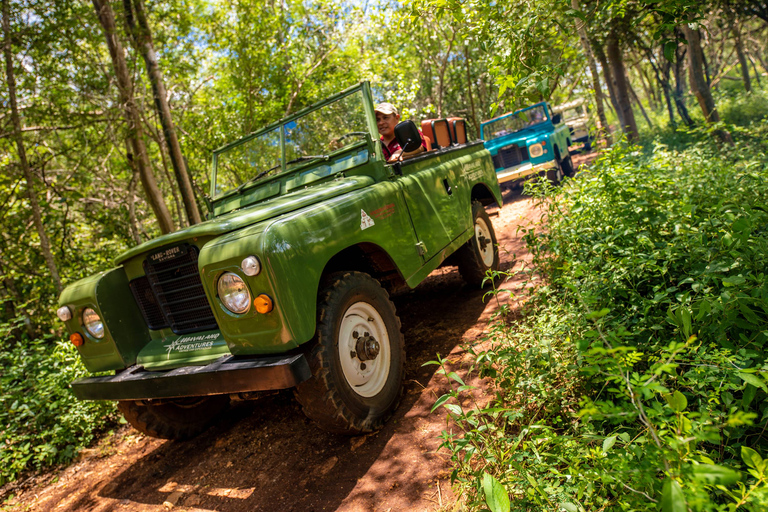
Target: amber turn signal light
{"points": [[77, 339], [263, 304]]}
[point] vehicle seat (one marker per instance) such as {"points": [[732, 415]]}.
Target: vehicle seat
{"points": [[438, 132], [458, 129]]}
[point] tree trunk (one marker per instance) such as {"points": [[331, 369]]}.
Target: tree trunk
{"points": [[45, 246], [742, 57], [663, 79], [602, 122], [640, 105], [135, 133], [133, 224], [699, 85], [629, 125], [679, 95], [142, 37], [601, 58]]}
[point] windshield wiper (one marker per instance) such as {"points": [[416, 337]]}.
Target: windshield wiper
{"points": [[264, 173], [306, 158], [257, 177]]}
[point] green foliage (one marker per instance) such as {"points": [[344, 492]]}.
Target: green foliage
{"points": [[43, 423], [637, 380]]}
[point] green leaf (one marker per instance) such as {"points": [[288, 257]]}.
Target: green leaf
{"points": [[750, 457], [669, 50], [715, 475], [495, 494], [608, 443], [455, 409], [733, 281], [455, 376], [672, 497], [676, 401], [570, 507], [598, 314], [440, 401], [753, 379]]}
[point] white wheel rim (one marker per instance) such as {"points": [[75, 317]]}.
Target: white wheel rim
{"points": [[366, 378], [482, 231]]}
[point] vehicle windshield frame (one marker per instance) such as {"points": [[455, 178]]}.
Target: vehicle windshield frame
{"points": [[515, 117], [287, 128]]}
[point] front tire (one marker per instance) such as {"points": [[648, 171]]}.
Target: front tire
{"points": [[178, 419], [358, 357], [566, 165], [481, 253]]}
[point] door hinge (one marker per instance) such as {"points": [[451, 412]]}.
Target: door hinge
{"points": [[422, 248]]}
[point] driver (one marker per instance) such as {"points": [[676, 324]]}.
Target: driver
{"points": [[387, 118]]}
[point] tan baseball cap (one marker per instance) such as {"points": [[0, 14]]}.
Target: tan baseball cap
{"points": [[386, 108]]}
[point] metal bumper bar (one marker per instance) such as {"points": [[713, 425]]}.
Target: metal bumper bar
{"points": [[223, 376], [522, 170]]}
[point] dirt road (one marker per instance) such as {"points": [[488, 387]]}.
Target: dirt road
{"points": [[266, 456]]}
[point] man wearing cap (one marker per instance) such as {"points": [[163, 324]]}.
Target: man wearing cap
{"points": [[387, 118]]}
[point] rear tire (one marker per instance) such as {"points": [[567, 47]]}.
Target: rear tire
{"points": [[481, 252], [358, 357], [182, 418]]}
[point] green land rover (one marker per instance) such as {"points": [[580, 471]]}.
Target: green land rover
{"points": [[287, 284]]}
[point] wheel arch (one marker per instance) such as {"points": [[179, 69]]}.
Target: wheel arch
{"points": [[369, 258], [482, 193]]}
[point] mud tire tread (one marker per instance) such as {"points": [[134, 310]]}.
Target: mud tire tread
{"points": [[322, 397], [168, 421]]}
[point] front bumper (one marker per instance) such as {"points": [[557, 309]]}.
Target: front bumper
{"points": [[522, 170], [225, 375]]}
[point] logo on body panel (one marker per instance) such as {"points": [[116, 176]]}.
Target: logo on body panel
{"points": [[365, 220], [473, 170], [192, 343], [385, 211]]}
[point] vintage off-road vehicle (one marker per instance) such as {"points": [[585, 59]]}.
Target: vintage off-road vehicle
{"points": [[287, 284], [529, 141], [576, 115]]}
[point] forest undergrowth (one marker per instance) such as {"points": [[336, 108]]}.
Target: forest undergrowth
{"points": [[637, 378]]}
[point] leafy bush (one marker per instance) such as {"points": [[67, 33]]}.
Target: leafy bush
{"points": [[42, 422], [637, 380]]}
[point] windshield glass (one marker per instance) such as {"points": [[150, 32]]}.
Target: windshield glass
{"points": [[326, 129], [574, 113], [515, 122], [312, 136]]}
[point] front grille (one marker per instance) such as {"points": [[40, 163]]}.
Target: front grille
{"points": [[145, 298], [510, 156], [176, 297]]}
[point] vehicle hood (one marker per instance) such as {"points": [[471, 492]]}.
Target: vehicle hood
{"points": [[252, 214], [525, 136]]}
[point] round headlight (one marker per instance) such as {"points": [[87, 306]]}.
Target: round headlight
{"points": [[92, 323], [64, 313], [535, 150], [233, 293], [251, 266]]}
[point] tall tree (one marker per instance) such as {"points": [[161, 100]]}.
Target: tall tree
{"points": [[603, 130], [142, 37], [34, 204], [616, 61], [699, 84], [135, 132]]}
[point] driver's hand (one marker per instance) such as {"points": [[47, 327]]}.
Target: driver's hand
{"points": [[395, 156]]}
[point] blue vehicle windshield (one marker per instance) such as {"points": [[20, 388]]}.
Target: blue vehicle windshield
{"points": [[520, 120]]}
